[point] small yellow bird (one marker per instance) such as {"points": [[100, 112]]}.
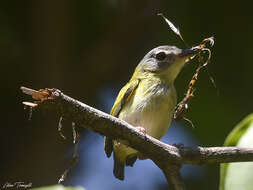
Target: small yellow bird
{"points": [[147, 101]]}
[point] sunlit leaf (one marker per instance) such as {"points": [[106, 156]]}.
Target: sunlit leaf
{"points": [[58, 187], [234, 176]]}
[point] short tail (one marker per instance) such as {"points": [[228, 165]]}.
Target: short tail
{"points": [[119, 168], [108, 147]]}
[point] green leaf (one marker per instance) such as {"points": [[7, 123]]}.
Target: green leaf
{"points": [[58, 187], [234, 176]]}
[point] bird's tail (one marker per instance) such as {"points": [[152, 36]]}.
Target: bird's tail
{"points": [[119, 168]]}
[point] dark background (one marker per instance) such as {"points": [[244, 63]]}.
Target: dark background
{"points": [[89, 50]]}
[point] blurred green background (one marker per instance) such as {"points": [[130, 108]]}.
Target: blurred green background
{"points": [[89, 50]]}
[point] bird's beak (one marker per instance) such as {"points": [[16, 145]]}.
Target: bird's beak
{"points": [[190, 52]]}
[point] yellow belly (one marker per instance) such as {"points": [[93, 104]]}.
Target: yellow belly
{"points": [[151, 108]]}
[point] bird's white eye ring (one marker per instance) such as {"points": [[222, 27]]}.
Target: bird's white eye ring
{"points": [[160, 56]]}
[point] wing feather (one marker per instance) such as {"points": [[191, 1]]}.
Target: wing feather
{"points": [[124, 96]]}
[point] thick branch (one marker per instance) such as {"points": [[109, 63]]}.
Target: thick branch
{"points": [[164, 155], [215, 155], [172, 175]]}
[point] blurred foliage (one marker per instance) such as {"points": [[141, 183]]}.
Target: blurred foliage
{"points": [[85, 47], [58, 187], [235, 176]]}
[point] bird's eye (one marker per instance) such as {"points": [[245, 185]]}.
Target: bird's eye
{"points": [[160, 56]]}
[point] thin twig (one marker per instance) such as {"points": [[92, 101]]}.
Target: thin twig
{"points": [[60, 128], [76, 138]]}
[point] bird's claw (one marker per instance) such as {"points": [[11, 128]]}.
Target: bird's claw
{"points": [[141, 129], [178, 145]]}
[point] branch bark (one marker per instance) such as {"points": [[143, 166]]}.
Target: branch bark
{"points": [[168, 158]]}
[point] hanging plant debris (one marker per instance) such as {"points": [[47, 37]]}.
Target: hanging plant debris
{"points": [[202, 48]]}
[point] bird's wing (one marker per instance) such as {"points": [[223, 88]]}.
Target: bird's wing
{"points": [[124, 96]]}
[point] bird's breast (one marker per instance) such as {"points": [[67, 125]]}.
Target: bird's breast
{"points": [[151, 107]]}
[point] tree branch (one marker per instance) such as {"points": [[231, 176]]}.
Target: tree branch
{"points": [[215, 155], [173, 176], [168, 158]]}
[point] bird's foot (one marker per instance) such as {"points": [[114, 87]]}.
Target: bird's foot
{"points": [[141, 129], [178, 145], [142, 156]]}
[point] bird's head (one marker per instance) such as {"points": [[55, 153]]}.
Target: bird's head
{"points": [[165, 62]]}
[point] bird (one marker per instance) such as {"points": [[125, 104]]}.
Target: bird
{"points": [[147, 101]]}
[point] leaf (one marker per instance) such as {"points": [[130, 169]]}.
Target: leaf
{"points": [[172, 26], [234, 176], [41, 95], [58, 187]]}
